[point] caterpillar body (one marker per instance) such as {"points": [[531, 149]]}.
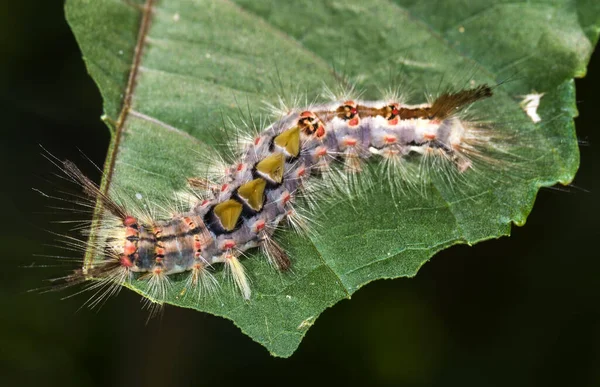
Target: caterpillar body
{"points": [[241, 208]]}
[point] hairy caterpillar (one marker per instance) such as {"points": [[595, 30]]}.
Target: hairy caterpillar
{"points": [[308, 152]]}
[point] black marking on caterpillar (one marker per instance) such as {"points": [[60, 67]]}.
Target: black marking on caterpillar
{"points": [[241, 209]]}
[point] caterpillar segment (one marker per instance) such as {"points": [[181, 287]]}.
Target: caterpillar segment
{"points": [[257, 193]]}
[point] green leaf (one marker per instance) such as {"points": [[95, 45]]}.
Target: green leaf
{"points": [[170, 70]]}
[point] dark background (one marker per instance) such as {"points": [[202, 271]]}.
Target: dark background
{"points": [[519, 311]]}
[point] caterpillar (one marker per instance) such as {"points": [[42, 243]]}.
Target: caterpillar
{"points": [[306, 153]]}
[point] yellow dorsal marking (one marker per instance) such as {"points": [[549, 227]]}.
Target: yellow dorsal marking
{"points": [[253, 192], [290, 141], [273, 167], [228, 213]]}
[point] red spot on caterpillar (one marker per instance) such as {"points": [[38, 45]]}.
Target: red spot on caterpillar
{"points": [[159, 251], [129, 247], [389, 139], [353, 122], [259, 225], [228, 244], [158, 259], [393, 121], [306, 114], [205, 202], [129, 221], [240, 167], [285, 197], [125, 261], [198, 266], [301, 171], [197, 243], [321, 151], [198, 255], [350, 141], [320, 131], [224, 187], [157, 270], [130, 231], [350, 106], [429, 136], [256, 140]]}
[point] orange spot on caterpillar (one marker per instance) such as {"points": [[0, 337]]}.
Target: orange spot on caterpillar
{"points": [[190, 223], [353, 122], [306, 114], [131, 232], [158, 259], [159, 251], [157, 270], [129, 221], [129, 247], [393, 121], [429, 136]]}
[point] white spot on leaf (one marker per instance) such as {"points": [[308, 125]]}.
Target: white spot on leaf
{"points": [[530, 104]]}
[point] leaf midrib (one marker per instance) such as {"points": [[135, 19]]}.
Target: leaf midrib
{"points": [[111, 157]]}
